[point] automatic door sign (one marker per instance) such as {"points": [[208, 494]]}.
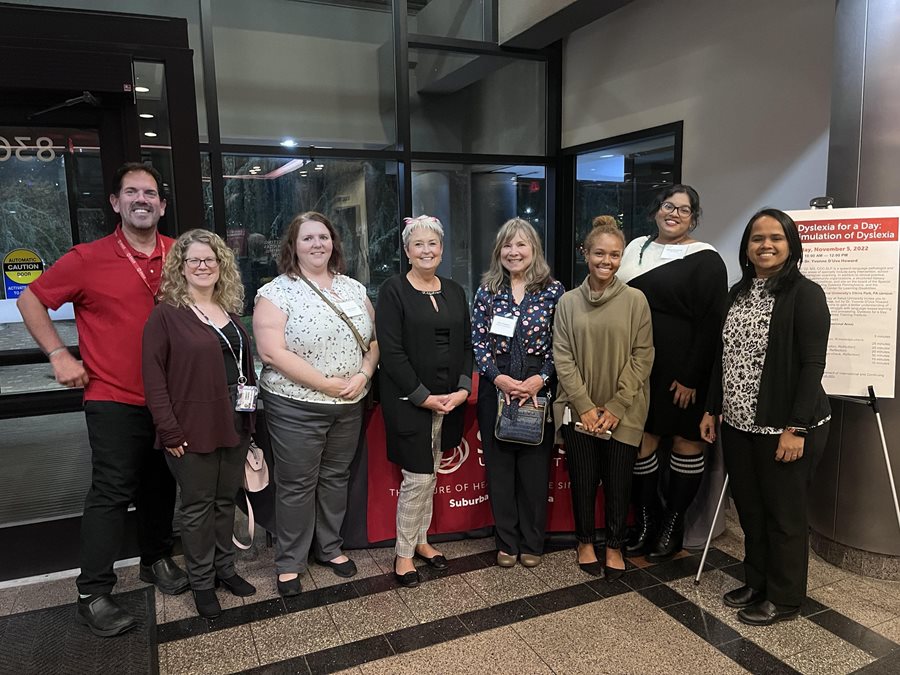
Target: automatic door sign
{"points": [[21, 266]]}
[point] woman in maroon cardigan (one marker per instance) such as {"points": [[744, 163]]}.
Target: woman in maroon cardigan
{"points": [[199, 382]]}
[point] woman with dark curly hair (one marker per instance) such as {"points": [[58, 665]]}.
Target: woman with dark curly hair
{"points": [[685, 282], [199, 383]]}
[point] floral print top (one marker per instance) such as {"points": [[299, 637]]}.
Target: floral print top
{"points": [[535, 325], [317, 334]]}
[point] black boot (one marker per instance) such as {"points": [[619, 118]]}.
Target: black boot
{"points": [[670, 539], [646, 502], [685, 476]]}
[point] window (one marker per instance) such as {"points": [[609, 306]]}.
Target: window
{"points": [[621, 179]]}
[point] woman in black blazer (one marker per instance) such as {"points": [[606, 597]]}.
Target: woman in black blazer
{"points": [[767, 390], [424, 331]]}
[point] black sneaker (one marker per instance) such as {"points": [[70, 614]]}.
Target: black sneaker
{"points": [[168, 577], [103, 615], [237, 585]]}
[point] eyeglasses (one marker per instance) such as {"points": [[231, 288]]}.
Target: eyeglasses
{"points": [[194, 263], [668, 207]]}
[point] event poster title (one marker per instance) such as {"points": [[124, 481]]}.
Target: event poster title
{"points": [[861, 229]]}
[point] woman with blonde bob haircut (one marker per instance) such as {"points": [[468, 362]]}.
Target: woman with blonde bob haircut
{"points": [[197, 359], [512, 328]]}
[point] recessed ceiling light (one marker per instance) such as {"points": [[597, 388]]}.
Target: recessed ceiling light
{"points": [[150, 134], [146, 116], [289, 143], [141, 90]]}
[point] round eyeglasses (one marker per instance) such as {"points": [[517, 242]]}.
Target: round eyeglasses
{"points": [[668, 207]]}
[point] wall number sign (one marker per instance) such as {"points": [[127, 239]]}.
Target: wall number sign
{"points": [[21, 149]]}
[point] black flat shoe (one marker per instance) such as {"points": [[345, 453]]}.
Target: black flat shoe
{"points": [[743, 597], [438, 562], [103, 615], [408, 579], [207, 603], [237, 585], [595, 569], [288, 589], [168, 577], [765, 613], [614, 573], [344, 569]]}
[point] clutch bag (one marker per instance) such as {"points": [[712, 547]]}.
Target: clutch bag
{"points": [[523, 422]]}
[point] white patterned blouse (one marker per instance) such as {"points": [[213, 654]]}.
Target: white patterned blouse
{"points": [[317, 334]]}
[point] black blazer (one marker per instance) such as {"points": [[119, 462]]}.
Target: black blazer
{"points": [[407, 373], [790, 391]]}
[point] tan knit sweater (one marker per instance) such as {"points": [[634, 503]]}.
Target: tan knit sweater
{"points": [[603, 350]]}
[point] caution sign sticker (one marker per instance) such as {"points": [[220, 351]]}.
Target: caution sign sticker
{"points": [[21, 266]]}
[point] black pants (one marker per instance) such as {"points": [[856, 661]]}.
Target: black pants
{"points": [[209, 483], [591, 460], [771, 501], [126, 469], [518, 480]]}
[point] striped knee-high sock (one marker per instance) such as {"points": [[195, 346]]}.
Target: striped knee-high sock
{"points": [[645, 476], [684, 480]]}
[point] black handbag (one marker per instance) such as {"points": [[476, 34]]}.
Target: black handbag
{"points": [[522, 422]]}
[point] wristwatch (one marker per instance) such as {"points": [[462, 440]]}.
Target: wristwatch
{"points": [[798, 431], [544, 377]]}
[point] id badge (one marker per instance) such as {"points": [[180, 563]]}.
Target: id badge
{"points": [[504, 325], [673, 252], [246, 398], [351, 308]]}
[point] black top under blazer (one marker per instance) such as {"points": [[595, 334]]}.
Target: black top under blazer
{"points": [[790, 391], [408, 373]]}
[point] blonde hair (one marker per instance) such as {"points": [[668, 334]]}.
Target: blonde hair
{"points": [[537, 276], [602, 225], [228, 291], [429, 223]]}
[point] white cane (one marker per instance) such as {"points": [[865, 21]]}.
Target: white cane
{"points": [[887, 458], [712, 527]]}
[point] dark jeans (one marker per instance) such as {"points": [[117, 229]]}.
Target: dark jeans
{"points": [[518, 481], [591, 460], [126, 469], [771, 503]]}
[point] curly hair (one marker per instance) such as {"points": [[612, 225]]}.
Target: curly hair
{"points": [[537, 276], [228, 291], [287, 254]]}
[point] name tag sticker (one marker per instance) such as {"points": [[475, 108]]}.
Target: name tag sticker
{"points": [[504, 325], [351, 308], [674, 252]]}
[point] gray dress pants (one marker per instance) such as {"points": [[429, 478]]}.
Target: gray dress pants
{"points": [[313, 445]]}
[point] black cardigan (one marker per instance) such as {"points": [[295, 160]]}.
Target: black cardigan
{"points": [[790, 391], [407, 370]]}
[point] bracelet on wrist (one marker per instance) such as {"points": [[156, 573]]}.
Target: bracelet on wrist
{"points": [[55, 351], [365, 375]]}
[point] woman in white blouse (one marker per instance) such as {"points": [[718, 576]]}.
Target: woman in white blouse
{"points": [[314, 330]]}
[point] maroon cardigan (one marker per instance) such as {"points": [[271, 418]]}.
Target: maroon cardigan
{"points": [[185, 383]]}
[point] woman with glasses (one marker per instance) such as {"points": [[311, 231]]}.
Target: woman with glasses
{"points": [[685, 282], [199, 382], [314, 329]]}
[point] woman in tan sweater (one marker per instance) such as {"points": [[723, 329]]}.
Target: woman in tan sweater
{"points": [[603, 349]]}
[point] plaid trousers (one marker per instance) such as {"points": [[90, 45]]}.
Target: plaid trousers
{"points": [[416, 499]]}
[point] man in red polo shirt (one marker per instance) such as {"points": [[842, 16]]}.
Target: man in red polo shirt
{"points": [[112, 283]]}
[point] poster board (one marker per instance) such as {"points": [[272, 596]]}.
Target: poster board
{"points": [[854, 255]]}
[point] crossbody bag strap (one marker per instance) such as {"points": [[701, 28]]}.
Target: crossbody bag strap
{"points": [[343, 316]]}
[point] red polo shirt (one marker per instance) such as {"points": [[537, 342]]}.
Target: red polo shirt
{"points": [[112, 303]]}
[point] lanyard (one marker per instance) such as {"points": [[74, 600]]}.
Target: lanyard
{"points": [[238, 358], [137, 268]]}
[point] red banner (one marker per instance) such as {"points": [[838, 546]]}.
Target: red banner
{"points": [[461, 501]]}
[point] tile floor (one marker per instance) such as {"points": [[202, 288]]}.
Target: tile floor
{"points": [[479, 618]]}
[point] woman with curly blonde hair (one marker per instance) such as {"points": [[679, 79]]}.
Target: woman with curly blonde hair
{"points": [[199, 382]]}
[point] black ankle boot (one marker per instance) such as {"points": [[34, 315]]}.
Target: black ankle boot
{"points": [[670, 539], [644, 534]]}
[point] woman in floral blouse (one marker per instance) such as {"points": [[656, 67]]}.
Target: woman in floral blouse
{"points": [[512, 325]]}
